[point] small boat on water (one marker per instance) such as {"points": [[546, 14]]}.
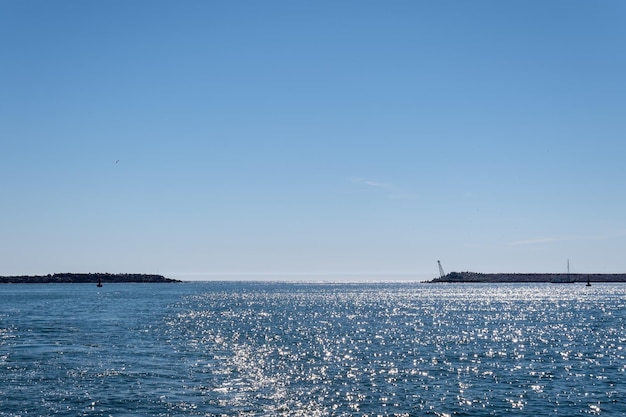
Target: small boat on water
{"points": [[99, 282], [588, 281]]}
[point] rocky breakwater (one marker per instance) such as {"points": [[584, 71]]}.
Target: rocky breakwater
{"points": [[468, 277], [73, 278]]}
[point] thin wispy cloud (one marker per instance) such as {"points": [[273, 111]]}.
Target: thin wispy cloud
{"points": [[375, 184], [393, 192], [401, 196], [541, 240], [552, 239]]}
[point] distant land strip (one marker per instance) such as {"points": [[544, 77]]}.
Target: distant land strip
{"points": [[90, 278], [538, 277]]}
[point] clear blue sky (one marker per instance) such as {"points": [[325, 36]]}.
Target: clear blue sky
{"points": [[312, 140]]}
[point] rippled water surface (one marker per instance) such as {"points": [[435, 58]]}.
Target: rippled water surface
{"points": [[275, 349]]}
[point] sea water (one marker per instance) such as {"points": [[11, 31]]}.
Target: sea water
{"points": [[293, 349]]}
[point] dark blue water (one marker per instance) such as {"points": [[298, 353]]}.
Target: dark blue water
{"points": [[274, 349]]}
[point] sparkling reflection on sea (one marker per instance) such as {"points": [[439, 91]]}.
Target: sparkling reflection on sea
{"points": [[293, 349]]}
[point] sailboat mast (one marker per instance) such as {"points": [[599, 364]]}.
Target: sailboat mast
{"points": [[569, 277]]}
